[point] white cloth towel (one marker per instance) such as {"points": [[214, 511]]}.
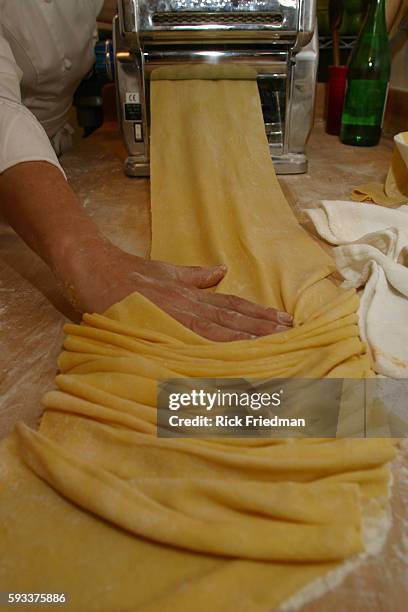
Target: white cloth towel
{"points": [[373, 256]]}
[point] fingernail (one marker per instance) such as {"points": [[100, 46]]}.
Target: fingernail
{"points": [[222, 267], [284, 317], [281, 328]]}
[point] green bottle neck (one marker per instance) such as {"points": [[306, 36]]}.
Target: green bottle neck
{"points": [[371, 56], [376, 23]]}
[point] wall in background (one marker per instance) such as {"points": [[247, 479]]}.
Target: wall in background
{"points": [[399, 73], [399, 44], [396, 116]]}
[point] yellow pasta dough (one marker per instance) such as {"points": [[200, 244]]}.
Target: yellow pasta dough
{"points": [[395, 190], [94, 504]]}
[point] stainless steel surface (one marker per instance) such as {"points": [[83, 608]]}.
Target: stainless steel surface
{"points": [[302, 96], [127, 10], [134, 166], [264, 61], [273, 37], [130, 80], [207, 19], [108, 60], [291, 163]]}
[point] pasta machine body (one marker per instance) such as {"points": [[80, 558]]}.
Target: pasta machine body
{"points": [[276, 39]]}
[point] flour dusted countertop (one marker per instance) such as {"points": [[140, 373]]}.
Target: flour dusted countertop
{"points": [[32, 314]]}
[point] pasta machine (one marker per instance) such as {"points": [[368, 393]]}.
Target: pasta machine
{"points": [[275, 38]]}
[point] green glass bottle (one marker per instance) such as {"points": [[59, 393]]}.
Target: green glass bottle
{"points": [[367, 81]]}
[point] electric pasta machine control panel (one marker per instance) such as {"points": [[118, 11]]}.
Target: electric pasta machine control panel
{"points": [[276, 39]]}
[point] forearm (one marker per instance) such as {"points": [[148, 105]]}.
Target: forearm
{"points": [[41, 207]]}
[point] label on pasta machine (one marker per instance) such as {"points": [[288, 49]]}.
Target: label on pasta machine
{"points": [[133, 108]]}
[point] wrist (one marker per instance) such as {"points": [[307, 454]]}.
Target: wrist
{"points": [[90, 271], [76, 258]]}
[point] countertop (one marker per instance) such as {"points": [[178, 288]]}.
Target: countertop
{"points": [[32, 314]]}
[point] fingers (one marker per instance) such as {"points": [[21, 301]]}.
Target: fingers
{"points": [[204, 277], [207, 328], [209, 320], [245, 307], [194, 276], [201, 278], [232, 319]]}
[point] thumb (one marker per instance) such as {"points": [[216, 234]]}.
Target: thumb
{"points": [[201, 277]]}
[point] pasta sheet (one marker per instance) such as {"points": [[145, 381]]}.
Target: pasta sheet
{"points": [[94, 504]]}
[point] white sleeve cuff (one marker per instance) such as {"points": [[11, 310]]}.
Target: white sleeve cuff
{"points": [[22, 138]]}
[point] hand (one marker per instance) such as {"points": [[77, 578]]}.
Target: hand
{"points": [[178, 290], [95, 274]]}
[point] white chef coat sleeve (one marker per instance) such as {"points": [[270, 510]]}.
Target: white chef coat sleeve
{"points": [[22, 138]]}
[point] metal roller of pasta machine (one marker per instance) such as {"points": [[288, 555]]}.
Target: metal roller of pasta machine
{"points": [[273, 37]]}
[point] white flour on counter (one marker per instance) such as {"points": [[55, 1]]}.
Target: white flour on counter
{"points": [[376, 530]]}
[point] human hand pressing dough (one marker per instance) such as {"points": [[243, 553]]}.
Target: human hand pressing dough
{"points": [[95, 274], [112, 274]]}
